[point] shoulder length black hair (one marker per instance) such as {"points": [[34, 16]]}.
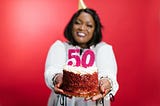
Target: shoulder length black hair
{"points": [[97, 35]]}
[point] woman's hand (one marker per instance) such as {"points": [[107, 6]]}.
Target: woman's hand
{"points": [[104, 87], [57, 83]]}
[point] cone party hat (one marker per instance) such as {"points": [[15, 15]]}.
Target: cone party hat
{"points": [[81, 5]]}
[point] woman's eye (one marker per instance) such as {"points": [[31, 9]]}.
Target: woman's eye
{"points": [[77, 22], [90, 26]]}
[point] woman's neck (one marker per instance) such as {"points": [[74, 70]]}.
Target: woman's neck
{"points": [[83, 46]]}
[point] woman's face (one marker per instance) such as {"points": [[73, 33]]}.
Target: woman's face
{"points": [[83, 29]]}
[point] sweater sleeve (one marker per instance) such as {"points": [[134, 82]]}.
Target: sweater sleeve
{"points": [[107, 66], [55, 61]]}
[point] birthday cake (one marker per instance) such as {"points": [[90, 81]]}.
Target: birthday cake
{"points": [[80, 81]]}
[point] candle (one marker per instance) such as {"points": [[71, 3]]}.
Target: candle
{"points": [[87, 59]]}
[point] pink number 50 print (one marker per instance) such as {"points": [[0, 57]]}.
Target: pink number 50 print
{"points": [[87, 59], [73, 57]]}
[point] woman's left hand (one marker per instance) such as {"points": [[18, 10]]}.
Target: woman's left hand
{"points": [[104, 87]]}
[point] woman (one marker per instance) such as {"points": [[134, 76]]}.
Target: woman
{"points": [[84, 32]]}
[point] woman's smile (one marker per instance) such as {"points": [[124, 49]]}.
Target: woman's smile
{"points": [[81, 34]]}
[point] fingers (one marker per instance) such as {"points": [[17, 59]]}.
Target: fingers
{"points": [[58, 91], [58, 79], [69, 96], [104, 90], [88, 98], [99, 96], [57, 84], [104, 87], [96, 97]]}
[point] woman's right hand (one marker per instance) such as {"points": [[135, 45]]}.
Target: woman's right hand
{"points": [[57, 84]]}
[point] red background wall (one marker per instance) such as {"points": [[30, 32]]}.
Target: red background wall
{"points": [[29, 27]]}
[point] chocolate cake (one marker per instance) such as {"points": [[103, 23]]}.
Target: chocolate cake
{"points": [[80, 82]]}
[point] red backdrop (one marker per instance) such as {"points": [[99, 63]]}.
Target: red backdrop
{"points": [[28, 28]]}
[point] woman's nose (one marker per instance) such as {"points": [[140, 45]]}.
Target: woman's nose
{"points": [[83, 27]]}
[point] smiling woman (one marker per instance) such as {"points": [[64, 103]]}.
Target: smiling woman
{"points": [[83, 33], [29, 27]]}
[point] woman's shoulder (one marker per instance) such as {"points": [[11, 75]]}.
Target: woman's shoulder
{"points": [[103, 45], [61, 44], [58, 44]]}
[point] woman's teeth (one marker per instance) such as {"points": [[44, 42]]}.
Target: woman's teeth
{"points": [[81, 34]]}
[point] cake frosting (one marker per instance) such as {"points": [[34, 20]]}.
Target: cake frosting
{"points": [[80, 70]]}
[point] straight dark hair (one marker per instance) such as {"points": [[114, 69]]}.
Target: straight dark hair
{"points": [[97, 35]]}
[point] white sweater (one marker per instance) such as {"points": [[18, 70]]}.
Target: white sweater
{"points": [[104, 61]]}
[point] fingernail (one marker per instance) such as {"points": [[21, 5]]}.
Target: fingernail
{"points": [[104, 91]]}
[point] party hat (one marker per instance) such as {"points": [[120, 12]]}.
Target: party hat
{"points": [[81, 5]]}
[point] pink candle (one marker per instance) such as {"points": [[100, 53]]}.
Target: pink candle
{"points": [[87, 59]]}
